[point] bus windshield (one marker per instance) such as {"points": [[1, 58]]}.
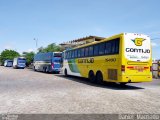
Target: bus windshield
{"points": [[21, 60], [57, 54], [57, 59]]}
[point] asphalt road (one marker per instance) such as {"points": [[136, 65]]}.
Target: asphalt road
{"points": [[26, 91]]}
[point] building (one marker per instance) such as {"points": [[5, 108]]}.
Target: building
{"points": [[80, 41], [156, 68]]}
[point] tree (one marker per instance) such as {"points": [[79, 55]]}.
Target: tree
{"points": [[0, 61], [29, 57], [50, 48], [41, 49], [8, 54]]}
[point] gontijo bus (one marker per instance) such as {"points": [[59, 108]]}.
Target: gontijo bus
{"points": [[123, 58]]}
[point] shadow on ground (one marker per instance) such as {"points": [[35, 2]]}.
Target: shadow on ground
{"points": [[108, 85]]}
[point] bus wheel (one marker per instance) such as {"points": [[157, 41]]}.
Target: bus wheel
{"points": [[91, 76], [65, 72], [46, 70], [15, 67], [99, 78], [34, 68]]}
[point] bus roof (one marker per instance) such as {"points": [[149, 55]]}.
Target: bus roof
{"points": [[8, 60], [47, 52], [19, 58]]}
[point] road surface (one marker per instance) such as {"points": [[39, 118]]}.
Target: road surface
{"points": [[26, 91]]}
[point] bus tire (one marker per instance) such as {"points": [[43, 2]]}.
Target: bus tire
{"points": [[43, 70], [46, 70], [34, 68], [65, 73], [57, 72], [99, 77], [15, 67], [91, 77]]}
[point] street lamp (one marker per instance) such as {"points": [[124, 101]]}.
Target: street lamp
{"points": [[36, 40]]}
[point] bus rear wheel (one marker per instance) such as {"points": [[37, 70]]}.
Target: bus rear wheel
{"points": [[46, 70], [91, 77], [99, 77]]}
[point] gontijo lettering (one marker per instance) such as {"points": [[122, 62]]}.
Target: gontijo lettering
{"points": [[138, 50], [90, 60]]}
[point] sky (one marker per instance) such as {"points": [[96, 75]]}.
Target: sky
{"points": [[57, 21]]}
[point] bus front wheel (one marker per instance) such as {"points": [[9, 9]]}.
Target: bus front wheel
{"points": [[91, 76], [34, 68], [47, 70], [65, 72], [99, 77]]}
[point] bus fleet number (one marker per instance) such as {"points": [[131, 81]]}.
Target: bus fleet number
{"points": [[110, 59]]}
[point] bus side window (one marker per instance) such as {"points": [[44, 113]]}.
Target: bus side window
{"points": [[69, 54], [117, 46], [72, 53], [86, 52], [113, 47], [91, 51], [108, 48], [79, 52], [101, 48], [75, 54], [82, 52], [95, 50], [66, 55]]}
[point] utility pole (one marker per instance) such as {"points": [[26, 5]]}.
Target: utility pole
{"points": [[36, 40]]}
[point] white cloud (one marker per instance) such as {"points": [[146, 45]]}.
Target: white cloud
{"points": [[8, 47], [30, 50]]}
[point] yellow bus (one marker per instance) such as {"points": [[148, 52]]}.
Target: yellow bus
{"points": [[123, 58]]}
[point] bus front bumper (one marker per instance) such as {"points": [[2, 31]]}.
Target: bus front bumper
{"points": [[19, 66], [55, 70]]}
